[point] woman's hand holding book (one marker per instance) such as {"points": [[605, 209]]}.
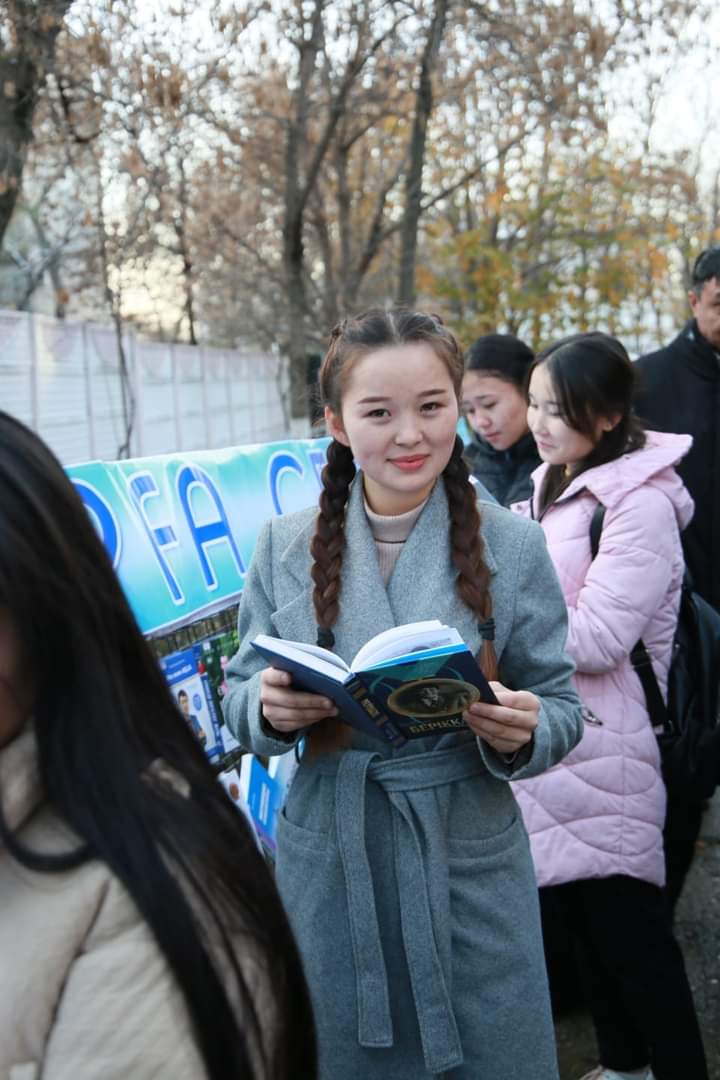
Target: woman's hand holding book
{"points": [[508, 726], [289, 710]]}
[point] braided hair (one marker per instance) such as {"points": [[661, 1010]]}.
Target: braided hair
{"points": [[466, 545], [350, 340]]}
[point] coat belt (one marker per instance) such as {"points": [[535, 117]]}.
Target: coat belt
{"points": [[418, 844]]}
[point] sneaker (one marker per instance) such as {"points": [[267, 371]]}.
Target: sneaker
{"points": [[601, 1073]]}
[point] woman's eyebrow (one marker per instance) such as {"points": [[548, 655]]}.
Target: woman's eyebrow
{"points": [[423, 394], [433, 393]]}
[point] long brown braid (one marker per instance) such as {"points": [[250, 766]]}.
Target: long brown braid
{"points": [[327, 548], [351, 339], [328, 542], [466, 544]]}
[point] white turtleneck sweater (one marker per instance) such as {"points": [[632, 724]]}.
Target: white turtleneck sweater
{"points": [[390, 533]]}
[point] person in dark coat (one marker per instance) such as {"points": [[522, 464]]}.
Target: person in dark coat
{"points": [[502, 454], [679, 390]]}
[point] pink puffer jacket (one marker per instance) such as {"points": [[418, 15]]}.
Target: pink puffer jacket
{"points": [[601, 810]]}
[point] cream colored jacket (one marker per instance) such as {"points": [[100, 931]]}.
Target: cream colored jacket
{"points": [[85, 994]]}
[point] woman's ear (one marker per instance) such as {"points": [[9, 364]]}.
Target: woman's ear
{"points": [[609, 423], [604, 424], [334, 425]]}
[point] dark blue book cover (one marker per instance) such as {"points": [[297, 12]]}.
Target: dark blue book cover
{"points": [[419, 694], [427, 695], [350, 697]]}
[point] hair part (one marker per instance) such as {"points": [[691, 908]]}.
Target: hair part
{"points": [[593, 378], [351, 339]]}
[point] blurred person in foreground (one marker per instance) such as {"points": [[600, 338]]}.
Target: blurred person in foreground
{"points": [[679, 391], [502, 454], [141, 934]]}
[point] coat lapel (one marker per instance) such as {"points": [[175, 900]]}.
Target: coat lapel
{"points": [[423, 579], [422, 585], [364, 606], [423, 582]]}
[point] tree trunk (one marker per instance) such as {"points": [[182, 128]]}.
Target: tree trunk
{"points": [[413, 183], [127, 396], [23, 69], [295, 202], [301, 179], [295, 288], [184, 250]]}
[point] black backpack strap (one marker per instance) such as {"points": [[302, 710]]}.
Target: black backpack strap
{"points": [[596, 528], [639, 657], [656, 707]]}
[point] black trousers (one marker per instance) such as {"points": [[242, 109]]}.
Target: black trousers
{"points": [[682, 828], [633, 975]]}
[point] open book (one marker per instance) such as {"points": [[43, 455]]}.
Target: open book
{"points": [[406, 683]]}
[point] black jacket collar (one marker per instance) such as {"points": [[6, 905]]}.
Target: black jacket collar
{"points": [[523, 449], [698, 351]]}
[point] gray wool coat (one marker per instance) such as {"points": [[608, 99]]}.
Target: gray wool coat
{"points": [[406, 874]]}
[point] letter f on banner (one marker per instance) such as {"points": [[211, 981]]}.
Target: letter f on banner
{"points": [[205, 534], [143, 487]]}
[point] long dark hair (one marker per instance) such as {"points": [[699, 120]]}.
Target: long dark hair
{"points": [[593, 378], [107, 728], [351, 339]]}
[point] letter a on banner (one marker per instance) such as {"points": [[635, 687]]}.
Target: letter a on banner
{"points": [[206, 534]]}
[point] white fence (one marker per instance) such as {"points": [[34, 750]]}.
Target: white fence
{"points": [[64, 380]]}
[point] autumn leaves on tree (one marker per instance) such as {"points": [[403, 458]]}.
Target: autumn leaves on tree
{"points": [[225, 171]]}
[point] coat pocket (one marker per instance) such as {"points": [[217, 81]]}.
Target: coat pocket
{"points": [[486, 847], [296, 836]]}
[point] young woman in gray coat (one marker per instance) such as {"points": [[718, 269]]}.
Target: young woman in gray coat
{"points": [[406, 873]]}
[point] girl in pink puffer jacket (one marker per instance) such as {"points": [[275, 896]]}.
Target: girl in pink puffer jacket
{"points": [[595, 820]]}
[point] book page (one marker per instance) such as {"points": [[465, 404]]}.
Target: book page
{"points": [[309, 656], [322, 654], [400, 640], [421, 655]]}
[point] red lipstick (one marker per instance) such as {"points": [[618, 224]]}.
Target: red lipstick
{"points": [[411, 463]]}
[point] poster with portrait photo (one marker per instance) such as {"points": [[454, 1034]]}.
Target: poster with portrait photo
{"points": [[217, 652], [184, 671]]}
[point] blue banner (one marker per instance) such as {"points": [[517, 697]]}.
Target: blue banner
{"points": [[181, 528]]}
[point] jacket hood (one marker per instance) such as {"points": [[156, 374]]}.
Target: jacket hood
{"points": [[654, 463]]}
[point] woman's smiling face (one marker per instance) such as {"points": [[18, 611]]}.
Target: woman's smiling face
{"points": [[557, 442], [399, 415]]}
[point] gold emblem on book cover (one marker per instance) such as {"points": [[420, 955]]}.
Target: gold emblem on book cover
{"points": [[432, 698]]}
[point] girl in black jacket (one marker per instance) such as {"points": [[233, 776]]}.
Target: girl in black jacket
{"points": [[502, 454]]}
